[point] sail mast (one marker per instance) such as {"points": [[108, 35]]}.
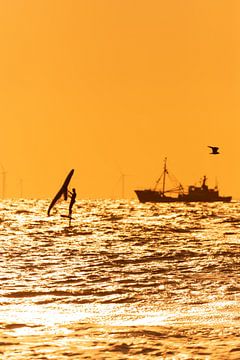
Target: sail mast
{"points": [[164, 174]]}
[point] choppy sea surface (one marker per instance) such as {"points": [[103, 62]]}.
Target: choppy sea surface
{"points": [[123, 280]]}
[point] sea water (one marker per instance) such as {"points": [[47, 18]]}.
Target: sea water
{"points": [[122, 280]]}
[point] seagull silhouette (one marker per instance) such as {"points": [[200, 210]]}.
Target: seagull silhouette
{"points": [[214, 150]]}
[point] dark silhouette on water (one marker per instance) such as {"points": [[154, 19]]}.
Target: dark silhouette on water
{"points": [[73, 196], [194, 194], [62, 192], [204, 186], [214, 150]]}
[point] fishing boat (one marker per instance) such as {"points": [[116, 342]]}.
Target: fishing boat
{"points": [[200, 193]]}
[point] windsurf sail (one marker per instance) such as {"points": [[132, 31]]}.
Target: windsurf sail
{"points": [[62, 192]]}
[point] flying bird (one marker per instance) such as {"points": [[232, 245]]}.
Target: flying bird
{"points": [[214, 150]]}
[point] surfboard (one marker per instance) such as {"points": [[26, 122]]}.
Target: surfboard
{"points": [[62, 192], [66, 216]]}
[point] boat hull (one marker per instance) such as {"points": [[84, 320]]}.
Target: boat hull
{"points": [[157, 197]]}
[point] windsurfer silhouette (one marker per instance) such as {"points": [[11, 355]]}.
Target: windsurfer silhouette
{"points": [[62, 192], [73, 196]]}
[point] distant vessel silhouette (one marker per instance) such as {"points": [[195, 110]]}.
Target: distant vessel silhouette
{"points": [[195, 193]]}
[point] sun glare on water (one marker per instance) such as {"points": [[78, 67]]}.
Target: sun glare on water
{"points": [[122, 277]]}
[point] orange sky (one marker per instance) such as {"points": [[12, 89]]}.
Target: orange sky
{"points": [[110, 87]]}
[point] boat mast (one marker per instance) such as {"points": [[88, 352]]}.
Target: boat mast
{"points": [[164, 174]]}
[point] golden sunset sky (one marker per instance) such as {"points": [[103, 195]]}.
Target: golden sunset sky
{"points": [[112, 87]]}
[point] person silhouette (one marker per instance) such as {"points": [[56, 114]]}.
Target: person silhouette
{"points": [[73, 196]]}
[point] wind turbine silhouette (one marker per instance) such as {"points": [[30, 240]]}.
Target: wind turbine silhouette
{"points": [[122, 179], [21, 188], [3, 173]]}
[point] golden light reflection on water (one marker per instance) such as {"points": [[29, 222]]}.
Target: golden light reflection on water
{"points": [[53, 316], [121, 277], [122, 332]]}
